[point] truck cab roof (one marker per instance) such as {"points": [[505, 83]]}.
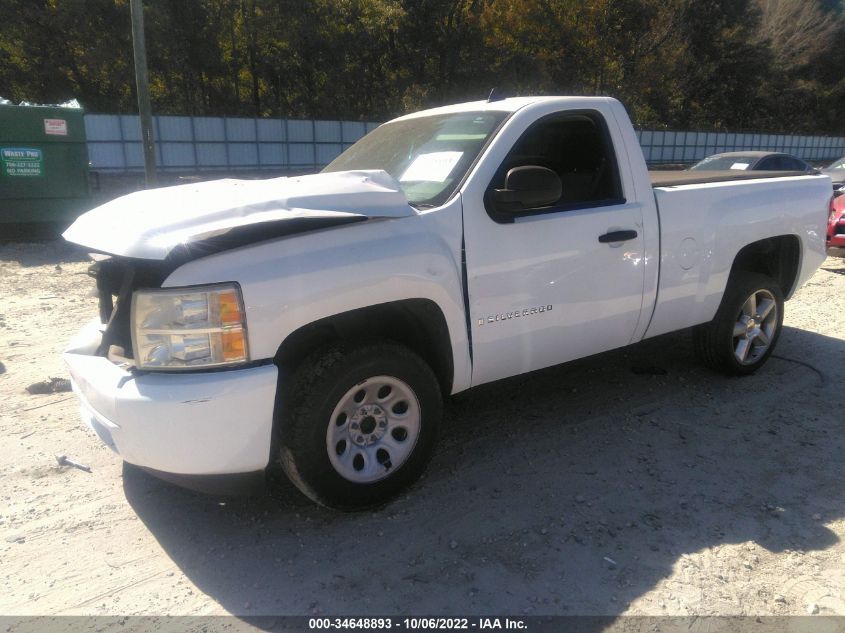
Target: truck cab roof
{"points": [[511, 104]]}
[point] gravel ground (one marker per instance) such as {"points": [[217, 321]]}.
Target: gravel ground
{"points": [[633, 482]]}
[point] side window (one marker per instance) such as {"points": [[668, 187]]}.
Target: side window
{"points": [[577, 147], [791, 164], [769, 164]]}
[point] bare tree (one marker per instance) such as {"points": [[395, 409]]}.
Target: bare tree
{"points": [[798, 31]]}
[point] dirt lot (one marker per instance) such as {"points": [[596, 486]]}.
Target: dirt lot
{"points": [[632, 482]]}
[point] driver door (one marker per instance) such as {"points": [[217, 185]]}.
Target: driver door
{"points": [[551, 284]]}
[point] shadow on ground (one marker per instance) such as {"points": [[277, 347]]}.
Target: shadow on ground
{"points": [[573, 490], [50, 250]]}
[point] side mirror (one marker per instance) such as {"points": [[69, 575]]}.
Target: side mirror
{"points": [[528, 187]]}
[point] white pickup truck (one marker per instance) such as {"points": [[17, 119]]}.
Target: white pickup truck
{"points": [[315, 323]]}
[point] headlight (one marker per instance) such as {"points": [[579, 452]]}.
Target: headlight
{"points": [[189, 328]]}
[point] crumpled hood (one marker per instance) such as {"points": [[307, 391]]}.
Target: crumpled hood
{"points": [[150, 224]]}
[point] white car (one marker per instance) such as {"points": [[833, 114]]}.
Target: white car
{"points": [[316, 323]]}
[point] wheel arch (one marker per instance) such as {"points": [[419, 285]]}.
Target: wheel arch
{"points": [[419, 324], [777, 257]]}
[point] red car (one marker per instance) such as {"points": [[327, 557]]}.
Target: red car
{"points": [[836, 227]]}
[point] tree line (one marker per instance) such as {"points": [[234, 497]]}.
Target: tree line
{"points": [[774, 65]]}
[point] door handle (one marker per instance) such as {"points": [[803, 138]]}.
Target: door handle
{"points": [[617, 236]]}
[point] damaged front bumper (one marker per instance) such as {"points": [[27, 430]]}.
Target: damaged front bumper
{"points": [[197, 429]]}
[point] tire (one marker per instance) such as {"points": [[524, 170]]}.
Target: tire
{"points": [[360, 423], [742, 335]]}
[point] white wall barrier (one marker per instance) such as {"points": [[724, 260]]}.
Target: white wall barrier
{"points": [[219, 143], [191, 144]]}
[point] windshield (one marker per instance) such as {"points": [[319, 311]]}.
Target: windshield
{"points": [[837, 164], [428, 156], [719, 163]]}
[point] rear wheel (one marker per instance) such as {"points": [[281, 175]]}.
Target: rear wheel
{"points": [[746, 328], [360, 423]]}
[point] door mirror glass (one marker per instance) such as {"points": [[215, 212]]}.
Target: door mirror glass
{"points": [[528, 187]]}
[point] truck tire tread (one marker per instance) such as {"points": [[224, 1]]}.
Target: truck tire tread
{"points": [[302, 425], [712, 342]]}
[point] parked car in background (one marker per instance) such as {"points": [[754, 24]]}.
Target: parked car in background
{"points": [[836, 227], [836, 171], [753, 161]]}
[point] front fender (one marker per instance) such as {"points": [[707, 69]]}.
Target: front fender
{"points": [[290, 282]]}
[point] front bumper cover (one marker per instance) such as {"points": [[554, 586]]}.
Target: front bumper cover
{"points": [[185, 425]]}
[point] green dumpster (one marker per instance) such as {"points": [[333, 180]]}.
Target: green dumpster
{"points": [[43, 166]]}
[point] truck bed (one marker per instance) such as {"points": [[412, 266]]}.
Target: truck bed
{"points": [[706, 222], [668, 178]]}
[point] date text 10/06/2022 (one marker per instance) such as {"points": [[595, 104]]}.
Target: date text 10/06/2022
{"points": [[416, 624]]}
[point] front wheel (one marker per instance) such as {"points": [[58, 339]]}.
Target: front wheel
{"points": [[360, 423], [746, 328]]}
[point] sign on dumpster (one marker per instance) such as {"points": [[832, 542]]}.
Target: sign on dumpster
{"points": [[56, 127], [21, 161]]}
